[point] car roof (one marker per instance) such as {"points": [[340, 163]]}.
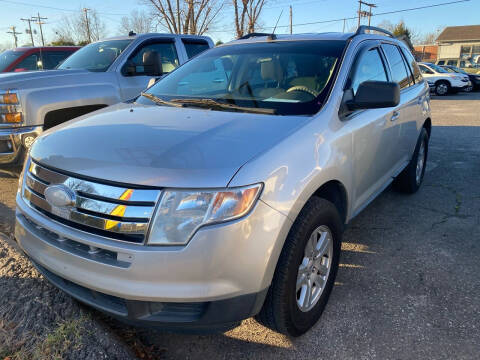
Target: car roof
{"points": [[156, 35], [257, 38], [27, 48]]}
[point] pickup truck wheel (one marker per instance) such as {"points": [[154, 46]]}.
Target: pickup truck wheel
{"points": [[442, 88], [411, 178], [305, 271]]}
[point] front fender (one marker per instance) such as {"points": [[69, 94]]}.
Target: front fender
{"points": [[293, 170], [38, 102]]}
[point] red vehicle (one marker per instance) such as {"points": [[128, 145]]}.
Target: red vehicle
{"points": [[34, 58]]}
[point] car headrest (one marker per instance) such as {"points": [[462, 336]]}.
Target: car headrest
{"points": [[152, 62], [271, 70]]}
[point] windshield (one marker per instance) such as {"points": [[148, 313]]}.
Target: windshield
{"points": [[95, 57], [438, 68], [286, 77], [8, 57]]}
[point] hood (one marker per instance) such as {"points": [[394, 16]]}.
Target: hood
{"points": [[161, 146], [47, 78]]}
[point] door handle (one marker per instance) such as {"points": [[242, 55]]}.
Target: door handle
{"points": [[395, 116]]}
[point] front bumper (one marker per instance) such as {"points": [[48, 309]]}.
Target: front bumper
{"points": [[14, 143], [219, 315], [221, 264], [462, 86]]}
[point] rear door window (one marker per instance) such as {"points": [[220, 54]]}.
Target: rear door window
{"points": [[397, 65], [51, 59], [30, 63], [194, 47], [369, 67], [452, 62]]}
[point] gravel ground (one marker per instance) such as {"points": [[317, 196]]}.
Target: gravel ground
{"points": [[408, 286]]}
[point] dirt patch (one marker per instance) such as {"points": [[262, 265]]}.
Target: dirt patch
{"points": [[37, 321]]}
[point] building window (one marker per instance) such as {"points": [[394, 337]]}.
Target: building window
{"points": [[465, 51]]}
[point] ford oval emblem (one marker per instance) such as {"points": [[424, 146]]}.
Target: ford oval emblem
{"points": [[59, 196]]}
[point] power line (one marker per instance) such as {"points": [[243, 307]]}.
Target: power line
{"points": [[54, 8], [377, 14]]}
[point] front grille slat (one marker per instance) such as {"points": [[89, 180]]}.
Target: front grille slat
{"points": [[89, 187], [113, 211], [124, 211], [87, 220]]}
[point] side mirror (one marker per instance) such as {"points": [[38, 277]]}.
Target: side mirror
{"points": [[374, 95], [152, 63]]}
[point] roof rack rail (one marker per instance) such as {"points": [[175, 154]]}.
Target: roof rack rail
{"points": [[254, 34], [364, 28]]}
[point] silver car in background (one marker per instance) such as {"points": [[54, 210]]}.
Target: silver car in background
{"points": [[222, 192]]}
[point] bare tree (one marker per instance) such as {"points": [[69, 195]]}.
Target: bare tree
{"points": [[431, 37], [75, 28], [138, 22], [185, 16], [247, 14]]}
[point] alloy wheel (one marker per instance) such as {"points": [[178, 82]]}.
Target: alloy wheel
{"points": [[315, 268], [420, 163]]}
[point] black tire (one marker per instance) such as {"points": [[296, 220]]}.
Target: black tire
{"points": [[280, 311], [442, 88], [407, 180]]}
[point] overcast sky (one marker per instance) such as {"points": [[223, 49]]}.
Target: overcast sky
{"points": [[304, 11]]}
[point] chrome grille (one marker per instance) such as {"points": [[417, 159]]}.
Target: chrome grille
{"points": [[113, 211]]}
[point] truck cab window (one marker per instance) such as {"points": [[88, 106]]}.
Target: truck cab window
{"points": [[31, 62], [193, 48], [164, 52]]}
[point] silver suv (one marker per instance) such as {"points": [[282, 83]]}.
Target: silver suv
{"points": [[222, 192]]}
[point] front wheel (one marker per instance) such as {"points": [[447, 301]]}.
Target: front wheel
{"points": [[305, 271], [442, 88], [411, 178]]}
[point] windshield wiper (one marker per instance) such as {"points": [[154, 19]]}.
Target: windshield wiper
{"points": [[159, 101], [212, 104]]}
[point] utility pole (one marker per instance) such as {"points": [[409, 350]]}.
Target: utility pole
{"points": [[365, 13], [29, 29], [344, 23], [370, 12], [359, 12], [291, 20], [14, 33], [85, 10], [39, 22]]}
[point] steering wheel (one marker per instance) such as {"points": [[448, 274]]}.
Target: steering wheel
{"points": [[304, 89]]}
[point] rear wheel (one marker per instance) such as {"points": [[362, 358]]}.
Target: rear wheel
{"points": [[411, 178], [442, 88], [306, 270]]}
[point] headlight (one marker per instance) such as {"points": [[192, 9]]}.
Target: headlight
{"points": [[10, 111], [181, 212], [9, 98]]}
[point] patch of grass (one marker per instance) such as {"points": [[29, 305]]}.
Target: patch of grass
{"points": [[66, 337]]}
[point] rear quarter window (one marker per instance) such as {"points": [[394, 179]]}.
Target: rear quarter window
{"points": [[397, 65], [195, 47], [417, 75]]}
